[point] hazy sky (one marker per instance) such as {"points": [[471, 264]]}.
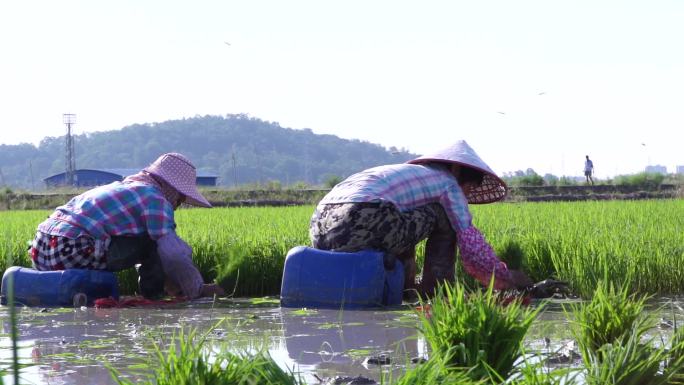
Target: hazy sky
{"points": [[534, 84]]}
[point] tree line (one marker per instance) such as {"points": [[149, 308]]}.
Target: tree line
{"points": [[239, 149]]}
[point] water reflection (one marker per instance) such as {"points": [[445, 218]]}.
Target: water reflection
{"points": [[71, 346], [330, 343]]}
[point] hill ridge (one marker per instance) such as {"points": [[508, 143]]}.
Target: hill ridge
{"points": [[240, 149]]}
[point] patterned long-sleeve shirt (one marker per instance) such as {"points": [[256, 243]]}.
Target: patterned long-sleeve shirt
{"points": [[126, 208], [409, 186]]}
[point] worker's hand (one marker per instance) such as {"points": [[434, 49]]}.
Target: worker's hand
{"points": [[211, 289], [519, 279]]}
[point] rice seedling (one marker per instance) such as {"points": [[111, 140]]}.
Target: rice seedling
{"points": [[536, 374], [577, 241], [640, 243], [474, 331], [612, 315], [433, 371], [675, 356], [246, 249], [190, 361], [628, 361], [14, 335]]}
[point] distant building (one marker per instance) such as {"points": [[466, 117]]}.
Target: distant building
{"points": [[657, 169], [680, 169], [92, 178]]}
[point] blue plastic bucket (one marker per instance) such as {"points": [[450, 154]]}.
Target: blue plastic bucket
{"points": [[327, 279], [58, 288]]}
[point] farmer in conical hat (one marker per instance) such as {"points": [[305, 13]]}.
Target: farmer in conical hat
{"points": [[119, 225], [391, 208]]}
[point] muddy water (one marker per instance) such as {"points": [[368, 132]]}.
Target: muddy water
{"points": [[71, 346]]}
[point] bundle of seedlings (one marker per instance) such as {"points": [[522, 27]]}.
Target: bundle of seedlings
{"points": [[611, 331], [628, 361], [475, 332], [676, 355], [612, 315], [433, 371], [189, 360], [536, 373]]}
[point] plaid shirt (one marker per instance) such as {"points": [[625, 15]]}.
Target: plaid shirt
{"points": [[77, 234], [119, 208], [409, 186]]}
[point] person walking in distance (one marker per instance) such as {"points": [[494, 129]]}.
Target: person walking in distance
{"points": [[589, 170]]}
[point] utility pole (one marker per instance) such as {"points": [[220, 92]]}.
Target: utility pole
{"points": [[306, 161], [70, 120], [234, 170], [33, 187]]}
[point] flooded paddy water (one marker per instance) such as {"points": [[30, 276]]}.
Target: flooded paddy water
{"points": [[75, 345]]}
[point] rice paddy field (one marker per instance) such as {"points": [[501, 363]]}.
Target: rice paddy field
{"points": [[640, 243], [624, 258]]}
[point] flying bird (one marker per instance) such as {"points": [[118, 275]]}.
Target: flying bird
{"points": [[226, 43], [500, 112], [542, 93]]}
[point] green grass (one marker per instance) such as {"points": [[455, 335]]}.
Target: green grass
{"points": [[640, 243]]}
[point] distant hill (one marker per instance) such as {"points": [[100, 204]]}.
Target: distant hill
{"points": [[238, 148]]}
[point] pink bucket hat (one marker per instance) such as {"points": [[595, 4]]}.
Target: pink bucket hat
{"points": [[492, 187], [179, 172]]}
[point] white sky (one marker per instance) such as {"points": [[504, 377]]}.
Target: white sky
{"points": [[414, 74]]}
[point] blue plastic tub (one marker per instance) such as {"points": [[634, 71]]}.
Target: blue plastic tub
{"points": [[327, 279], [58, 288]]}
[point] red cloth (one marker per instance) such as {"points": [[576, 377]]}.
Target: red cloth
{"points": [[137, 301]]}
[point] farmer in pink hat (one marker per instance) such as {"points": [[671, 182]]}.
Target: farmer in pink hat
{"points": [[123, 224], [391, 208]]}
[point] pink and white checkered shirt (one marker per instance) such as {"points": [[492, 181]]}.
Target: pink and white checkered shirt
{"points": [[409, 186]]}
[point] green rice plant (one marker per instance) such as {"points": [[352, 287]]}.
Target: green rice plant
{"points": [[675, 356], [189, 361], [16, 230], [628, 361], [475, 331], [612, 315], [536, 374], [640, 243], [14, 334], [433, 371], [244, 248], [611, 331]]}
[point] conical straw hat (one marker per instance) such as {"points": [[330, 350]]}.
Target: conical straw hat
{"points": [[180, 173], [492, 187]]}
